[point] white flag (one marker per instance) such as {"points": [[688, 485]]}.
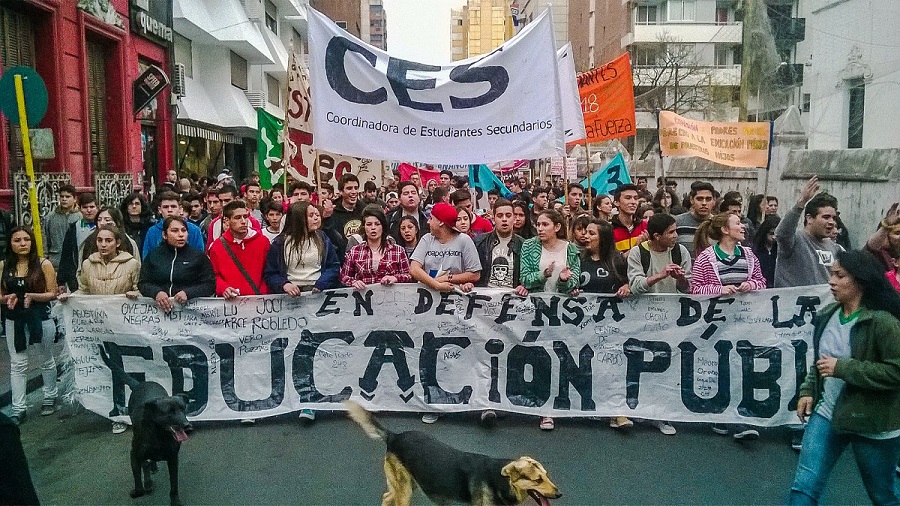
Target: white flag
{"points": [[573, 120], [499, 106]]}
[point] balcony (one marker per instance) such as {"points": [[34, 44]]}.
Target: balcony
{"points": [[221, 23], [686, 33]]}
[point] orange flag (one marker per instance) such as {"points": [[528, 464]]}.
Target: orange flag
{"points": [[607, 101]]}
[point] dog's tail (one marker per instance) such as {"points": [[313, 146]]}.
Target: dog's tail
{"points": [[369, 423], [117, 369]]}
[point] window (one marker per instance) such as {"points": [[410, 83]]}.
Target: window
{"points": [[238, 71], [856, 89], [647, 55], [721, 15], [96, 81], [681, 10], [184, 54], [722, 55], [17, 39], [271, 17], [646, 15], [274, 90], [341, 24], [807, 98]]}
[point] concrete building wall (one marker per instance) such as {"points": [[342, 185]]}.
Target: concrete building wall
{"points": [[342, 11], [530, 9]]}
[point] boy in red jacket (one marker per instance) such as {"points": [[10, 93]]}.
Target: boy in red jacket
{"points": [[239, 255]]}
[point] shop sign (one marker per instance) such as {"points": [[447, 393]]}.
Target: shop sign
{"points": [[152, 19]]}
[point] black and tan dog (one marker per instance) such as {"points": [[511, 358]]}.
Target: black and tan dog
{"points": [[159, 423], [447, 475]]}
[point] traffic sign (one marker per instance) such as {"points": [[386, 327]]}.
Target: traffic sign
{"points": [[35, 95]]}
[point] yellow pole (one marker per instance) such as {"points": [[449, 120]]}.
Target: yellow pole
{"points": [[29, 167]]}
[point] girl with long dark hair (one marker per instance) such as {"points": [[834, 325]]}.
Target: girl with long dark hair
{"points": [[765, 247], [408, 233], [377, 260], [522, 220], [137, 218], [851, 395], [27, 285]]}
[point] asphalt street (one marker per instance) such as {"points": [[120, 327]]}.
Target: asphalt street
{"points": [[75, 459]]}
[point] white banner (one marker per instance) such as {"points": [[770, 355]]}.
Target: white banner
{"points": [[404, 348], [500, 106], [573, 119]]}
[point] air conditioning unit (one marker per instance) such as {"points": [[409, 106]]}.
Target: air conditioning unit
{"points": [[255, 9], [257, 99], [178, 81]]}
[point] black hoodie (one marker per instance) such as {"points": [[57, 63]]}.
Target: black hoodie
{"points": [[171, 270]]}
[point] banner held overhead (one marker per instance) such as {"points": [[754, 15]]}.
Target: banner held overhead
{"points": [[733, 144], [607, 101], [500, 106]]}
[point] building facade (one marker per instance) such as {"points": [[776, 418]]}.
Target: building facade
{"points": [[373, 23], [524, 12], [486, 24], [89, 55], [346, 13]]}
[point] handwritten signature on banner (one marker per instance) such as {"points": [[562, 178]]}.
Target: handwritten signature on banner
{"points": [[405, 348]]}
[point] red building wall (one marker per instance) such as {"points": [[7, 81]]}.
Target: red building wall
{"points": [[62, 33]]}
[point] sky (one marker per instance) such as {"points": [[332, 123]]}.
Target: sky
{"points": [[419, 30]]}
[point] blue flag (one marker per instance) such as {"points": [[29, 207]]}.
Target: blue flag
{"points": [[482, 180], [606, 180]]}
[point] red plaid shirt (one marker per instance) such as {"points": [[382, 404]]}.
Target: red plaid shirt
{"points": [[358, 265]]}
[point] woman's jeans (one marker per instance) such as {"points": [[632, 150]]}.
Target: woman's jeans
{"points": [[876, 459], [19, 364]]}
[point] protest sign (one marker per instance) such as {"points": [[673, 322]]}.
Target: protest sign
{"points": [[573, 121], [733, 144], [499, 106], [300, 141], [607, 101], [567, 166], [404, 348]]}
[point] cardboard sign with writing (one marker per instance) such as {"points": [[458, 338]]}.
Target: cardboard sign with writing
{"points": [[607, 101], [733, 144]]}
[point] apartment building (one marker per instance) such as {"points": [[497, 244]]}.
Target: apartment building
{"points": [[526, 10], [485, 25], [373, 23]]}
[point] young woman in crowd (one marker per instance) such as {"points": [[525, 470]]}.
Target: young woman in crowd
{"points": [[302, 259], [766, 248], [551, 264], [391, 202], [174, 271], [377, 260], [409, 234], [464, 221], [756, 212], [577, 230], [137, 217], [522, 220], [666, 201], [603, 270], [726, 268], [851, 395], [603, 207], [108, 270], [27, 286], [110, 217]]}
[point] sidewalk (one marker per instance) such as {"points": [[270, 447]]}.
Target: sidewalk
{"points": [[34, 375]]}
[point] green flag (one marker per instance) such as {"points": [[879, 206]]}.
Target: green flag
{"points": [[269, 149]]}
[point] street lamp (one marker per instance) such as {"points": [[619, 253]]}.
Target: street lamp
{"points": [[759, 85]]}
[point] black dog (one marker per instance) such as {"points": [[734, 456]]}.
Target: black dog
{"points": [[159, 423]]}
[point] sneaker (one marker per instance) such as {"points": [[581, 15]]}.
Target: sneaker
{"points": [[797, 439], [546, 423], [720, 429], [119, 427], [746, 435], [48, 408], [664, 427], [430, 418], [307, 415], [246, 422], [18, 418], [620, 422], [897, 470], [488, 418]]}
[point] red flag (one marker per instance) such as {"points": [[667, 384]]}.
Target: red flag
{"points": [[426, 175]]}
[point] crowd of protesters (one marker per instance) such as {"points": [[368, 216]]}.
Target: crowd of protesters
{"points": [[234, 239]]}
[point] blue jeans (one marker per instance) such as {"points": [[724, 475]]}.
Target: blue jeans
{"points": [[822, 447]]}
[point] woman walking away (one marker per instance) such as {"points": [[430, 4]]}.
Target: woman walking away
{"points": [[851, 395], [27, 286], [551, 264]]}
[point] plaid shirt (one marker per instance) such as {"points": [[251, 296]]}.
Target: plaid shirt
{"points": [[358, 265]]}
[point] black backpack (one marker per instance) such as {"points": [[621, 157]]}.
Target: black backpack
{"points": [[645, 256]]}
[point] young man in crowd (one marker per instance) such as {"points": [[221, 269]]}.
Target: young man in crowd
{"points": [[370, 195], [227, 195], [702, 198], [658, 265], [463, 199], [169, 206], [627, 232], [274, 218], [643, 192], [518, 188], [574, 196], [57, 223], [806, 253], [347, 216], [499, 253], [300, 192], [409, 206], [213, 210], [539, 200], [252, 196], [69, 260], [445, 259], [326, 192], [193, 209], [171, 182], [445, 178]]}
